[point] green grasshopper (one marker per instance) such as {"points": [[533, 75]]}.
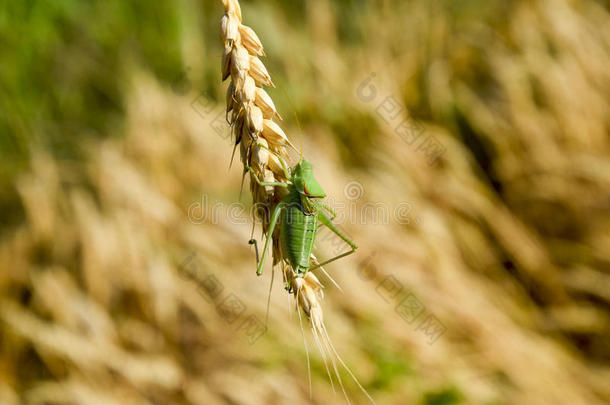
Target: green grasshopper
{"points": [[303, 213]]}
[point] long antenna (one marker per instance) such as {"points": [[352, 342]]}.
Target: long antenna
{"points": [[296, 118]]}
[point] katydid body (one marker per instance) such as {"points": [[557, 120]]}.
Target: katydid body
{"points": [[300, 213]]}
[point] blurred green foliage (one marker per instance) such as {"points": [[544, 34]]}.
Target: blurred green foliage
{"points": [[446, 396], [392, 366], [61, 73]]}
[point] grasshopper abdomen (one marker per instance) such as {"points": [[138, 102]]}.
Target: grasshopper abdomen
{"points": [[298, 231]]}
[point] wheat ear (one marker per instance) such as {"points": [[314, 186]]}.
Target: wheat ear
{"points": [[262, 145], [252, 116]]}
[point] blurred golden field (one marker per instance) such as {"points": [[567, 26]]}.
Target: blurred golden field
{"points": [[464, 144]]}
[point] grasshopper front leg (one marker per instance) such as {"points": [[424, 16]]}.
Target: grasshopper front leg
{"points": [[253, 242], [329, 210], [264, 183]]}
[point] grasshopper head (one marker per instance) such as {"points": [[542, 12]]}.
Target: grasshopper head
{"points": [[304, 181]]}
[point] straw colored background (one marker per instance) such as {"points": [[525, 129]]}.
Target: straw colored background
{"points": [[111, 166]]}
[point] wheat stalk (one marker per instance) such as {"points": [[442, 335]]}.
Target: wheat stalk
{"points": [[251, 114], [262, 142]]}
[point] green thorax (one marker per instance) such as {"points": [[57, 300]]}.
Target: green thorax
{"points": [[305, 182]]}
